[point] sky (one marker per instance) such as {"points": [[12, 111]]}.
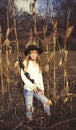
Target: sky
{"points": [[24, 5]]}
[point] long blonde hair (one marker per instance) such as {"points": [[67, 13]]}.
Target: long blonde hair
{"points": [[38, 61]]}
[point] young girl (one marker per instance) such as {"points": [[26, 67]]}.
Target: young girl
{"points": [[33, 67]]}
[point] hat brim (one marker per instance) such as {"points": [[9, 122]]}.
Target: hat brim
{"points": [[32, 47]]}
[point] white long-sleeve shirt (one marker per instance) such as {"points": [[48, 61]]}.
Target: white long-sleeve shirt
{"points": [[34, 74]]}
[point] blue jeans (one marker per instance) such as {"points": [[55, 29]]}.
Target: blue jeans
{"points": [[29, 101]]}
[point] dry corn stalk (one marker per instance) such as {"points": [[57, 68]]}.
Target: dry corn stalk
{"points": [[16, 65], [47, 67], [69, 31], [54, 40], [54, 24], [44, 32], [64, 54], [15, 27], [67, 34], [1, 68], [7, 45], [7, 41], [33, 10]]}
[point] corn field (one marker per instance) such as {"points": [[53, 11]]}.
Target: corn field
{"points": [[59, 75]]}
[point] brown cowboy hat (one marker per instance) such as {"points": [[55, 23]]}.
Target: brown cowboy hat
{"points": [[32, 47]]}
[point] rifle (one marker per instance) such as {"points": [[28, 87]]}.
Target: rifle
{"points": [[21, 63], [32, 80], [27, 74]]}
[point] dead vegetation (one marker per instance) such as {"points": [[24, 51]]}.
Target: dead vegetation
{"points": [[59, 72]]}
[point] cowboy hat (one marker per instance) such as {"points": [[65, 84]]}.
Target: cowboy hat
{"points": [[32, 47]]}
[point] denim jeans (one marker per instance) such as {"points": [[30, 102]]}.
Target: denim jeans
{"points": [[29, 101]]}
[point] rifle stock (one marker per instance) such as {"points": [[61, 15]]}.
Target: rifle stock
{"points": [[21, 62]]}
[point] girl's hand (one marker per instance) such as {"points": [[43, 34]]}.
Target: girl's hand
{"points": [[35, 90]]}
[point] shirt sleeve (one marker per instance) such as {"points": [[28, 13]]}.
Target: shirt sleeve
{"points": [[27, 81]]}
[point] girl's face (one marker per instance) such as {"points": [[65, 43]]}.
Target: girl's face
{"points": [[33, 55]]}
